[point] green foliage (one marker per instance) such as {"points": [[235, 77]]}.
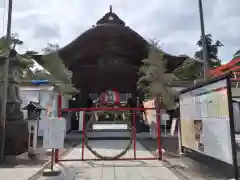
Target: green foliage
{"points": [[236, 54], [38, 74], [50, 48], [212, 51], [154, 80], [7, 45], [192, 69], [58, 74], [15, 41], [189, 70], [4, 47], [155, 43], [26, 61], [53, 64]]}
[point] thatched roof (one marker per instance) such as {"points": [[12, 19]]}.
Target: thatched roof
{"points": [[90, 57]]}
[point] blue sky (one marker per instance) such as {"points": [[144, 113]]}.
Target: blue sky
{"points": [[175, 23]]}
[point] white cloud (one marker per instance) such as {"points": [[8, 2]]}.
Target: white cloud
{"points": [[174, 22]]}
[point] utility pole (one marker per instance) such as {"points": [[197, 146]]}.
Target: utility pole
{"points": [[5, 85], [204, 44]]}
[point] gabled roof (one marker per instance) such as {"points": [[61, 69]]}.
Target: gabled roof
{"points": [[233, 65], [33, 105]]}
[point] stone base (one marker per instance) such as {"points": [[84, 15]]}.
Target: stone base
{"points": [[49, 173], [16, 141]]}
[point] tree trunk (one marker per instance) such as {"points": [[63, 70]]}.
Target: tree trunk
{"points": [[158, 122]]}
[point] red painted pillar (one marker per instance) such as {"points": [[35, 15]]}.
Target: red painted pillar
{"points": [[59, 106]]}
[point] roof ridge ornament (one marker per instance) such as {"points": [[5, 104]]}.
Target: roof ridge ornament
{"points": [[110, 9], [110, 18]]}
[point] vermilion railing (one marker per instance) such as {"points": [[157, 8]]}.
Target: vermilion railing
{"points": [[122, 109]]}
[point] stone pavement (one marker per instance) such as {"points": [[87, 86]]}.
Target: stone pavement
{"points": [[191, 169], [22, 168], [112, 170], [18, 173]]}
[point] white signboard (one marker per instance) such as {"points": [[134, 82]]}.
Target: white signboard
{"points": [[205, 122], [54, 133]]}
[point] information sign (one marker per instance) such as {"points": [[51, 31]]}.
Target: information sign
{"points": [[54, 133], [205, 122]]}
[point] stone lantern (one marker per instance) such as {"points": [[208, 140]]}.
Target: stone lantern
{"points": [[34, 111], [16, 128]]}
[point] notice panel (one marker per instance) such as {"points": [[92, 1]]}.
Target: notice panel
{"points": [[54, 133], [205, 122]]}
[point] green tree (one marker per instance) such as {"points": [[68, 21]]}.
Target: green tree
{"points": [[156, 43], [42, 74], [53, 63], [37, 74], [4, 47], [26, 61], [212, 51], [191, 69], [50, 48], [236, 54], [154, 80]]}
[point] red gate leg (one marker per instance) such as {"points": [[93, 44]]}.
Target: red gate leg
{"points": [[158, 119], [83, 135], [134, 135]]}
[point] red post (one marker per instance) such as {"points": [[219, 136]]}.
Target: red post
{"points": [[158, 119], [59, 105], [83, 134], [134, 134]]}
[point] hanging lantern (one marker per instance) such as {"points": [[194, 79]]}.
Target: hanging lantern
{"points": [[110, 97]]}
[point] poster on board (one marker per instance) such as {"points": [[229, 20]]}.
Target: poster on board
{"points": [[205, 121]]}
